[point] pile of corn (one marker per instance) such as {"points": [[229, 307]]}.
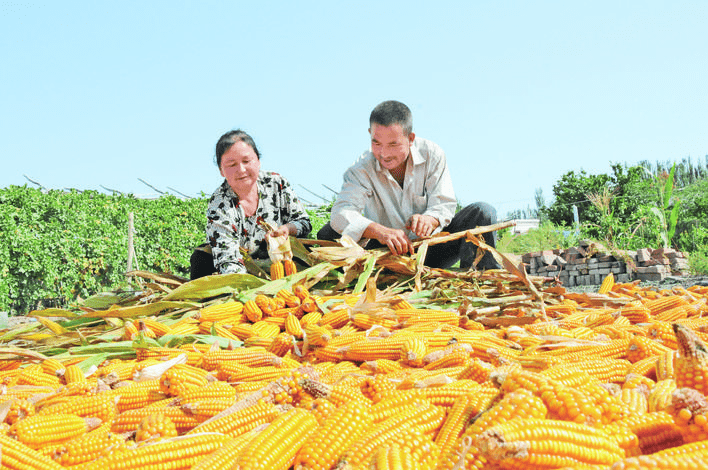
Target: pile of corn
{"points": [[616, 381]]}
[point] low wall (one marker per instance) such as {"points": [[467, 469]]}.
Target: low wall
{"points": [[589, 263]]}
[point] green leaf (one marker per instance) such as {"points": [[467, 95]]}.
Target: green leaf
{"points": [[214, 285], [174, 341], [365, 275]]}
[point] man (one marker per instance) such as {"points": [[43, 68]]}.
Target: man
{"points": [[402, 190]]}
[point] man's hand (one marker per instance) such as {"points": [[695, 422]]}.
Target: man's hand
{"points": [[422, 225], [396, 240]]}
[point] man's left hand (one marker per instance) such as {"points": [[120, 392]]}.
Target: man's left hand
{"points": [[422, 225]]}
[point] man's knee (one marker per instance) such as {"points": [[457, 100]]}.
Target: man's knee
{"points": [[328, 233], [475, 215]]}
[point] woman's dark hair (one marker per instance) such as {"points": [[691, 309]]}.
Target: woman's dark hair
{"points": [[227, 140]]}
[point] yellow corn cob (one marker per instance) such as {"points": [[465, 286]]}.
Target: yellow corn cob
{"points": [[663, 304], [301, 291], [655, 431], [52, 367], [163, 354], [276, 446], [394, 402], [293, 326], [240, 421], [691, 364], [515, 405], [641, 347], [155, 426], [231, 372], [464, 409], [252, 357], [91, 446], [18, 410], [160, 329], [660, 395], [101, 406], [277, 270], [223, 458], [635, 400], [374, 388], [74, 374], [206, 408], [242, 330], [17, 456], [130, 420], [35, 376], [48, 430], [607, 284], [563, 402], [252, 311], [289, 267], [265, 329], [138, 394], [665, 366], [339, 430], [265, 303], [530, 443], [291, 300], [281, 345], [311, 318], [309, 304], [180, 377], [179, 453], [220, 312], [338, 394], [663, 333], [387, 431]]}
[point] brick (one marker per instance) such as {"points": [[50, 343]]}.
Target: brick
{"points": [[643, 255], [651, 276], [659, 268], [623, 278]]}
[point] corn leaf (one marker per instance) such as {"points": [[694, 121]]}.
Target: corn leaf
{"points": [[140, 310], [216, 284]]}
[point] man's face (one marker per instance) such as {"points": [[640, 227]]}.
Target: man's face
{"points": [[240, 166], [390, 145]]}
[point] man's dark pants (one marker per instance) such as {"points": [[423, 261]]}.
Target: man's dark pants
{"points": [[444, 255]]}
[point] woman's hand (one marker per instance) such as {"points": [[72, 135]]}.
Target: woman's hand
{"points": [[284, 230]]}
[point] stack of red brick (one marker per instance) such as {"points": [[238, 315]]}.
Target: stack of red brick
{"points": [[589, 263]]}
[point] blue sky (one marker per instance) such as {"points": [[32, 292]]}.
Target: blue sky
{"points": [[517, 93]]}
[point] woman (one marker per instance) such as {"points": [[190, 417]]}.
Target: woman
{"points": [[246, 197]]}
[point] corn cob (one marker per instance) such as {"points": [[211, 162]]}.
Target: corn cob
{"points": [[289, 267], [277, 270], [155, 426], [655, 431], [691, 364], [276, 446], [130, 420], [18, 456], [252, 311], [607, 284], [223, 458], [220, 312], [545, 444], [101, 406], [91, 446], [387, 431], [660, 395], [180, 377], [252, 357], [49, 430], [339, 430], [179, 453], [240, 421]]}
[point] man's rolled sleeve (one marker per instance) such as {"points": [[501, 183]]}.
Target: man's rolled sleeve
{"points": [[441, 195], [347, 212]]}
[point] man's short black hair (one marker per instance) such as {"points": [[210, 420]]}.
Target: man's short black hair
{"points": [[392, 112]]}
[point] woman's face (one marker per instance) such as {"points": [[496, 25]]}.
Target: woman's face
{"points": [[240, 166]]}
